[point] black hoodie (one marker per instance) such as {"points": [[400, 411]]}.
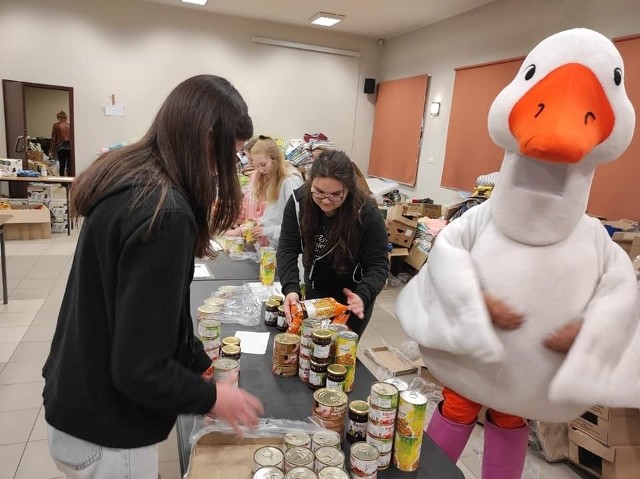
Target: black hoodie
{"points": [[124, 361]]}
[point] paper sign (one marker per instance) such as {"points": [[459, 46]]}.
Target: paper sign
{"points": [[201, 271], [253, 343], [114, 110]]}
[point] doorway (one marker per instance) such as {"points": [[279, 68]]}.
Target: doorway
{"points": [[30, 110]]}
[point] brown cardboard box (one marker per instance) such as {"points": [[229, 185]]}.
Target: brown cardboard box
{"points": [[417, 257], [401, 229], [606, 462], [28, 222], [424, 209], [621, 427], [620, 224], [634, 251], [384, 357], [626, 240]]}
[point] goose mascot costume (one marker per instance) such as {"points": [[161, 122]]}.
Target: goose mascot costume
{"points": [[532, 247]]}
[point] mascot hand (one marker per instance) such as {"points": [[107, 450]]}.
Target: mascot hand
{"points": [[562, 338], [502, 316]]}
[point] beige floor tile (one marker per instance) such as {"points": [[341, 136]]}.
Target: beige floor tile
{"points": [[39, 332], [12, 334], [45, 317], [16, 319], [43, 284], [388, 328], [39, 432], [21, 306], [168, 449], [7, 350], [36, 463], [28, 293], [2, 365], [15, 397], [36, 351], [380, 314], [16, 426], [43, 273], [52, 304], [169, 469], [16, 372], [10, 456]]}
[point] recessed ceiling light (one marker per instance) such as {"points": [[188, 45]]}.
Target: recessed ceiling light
{"points": [[326, 19], [195, 2]]}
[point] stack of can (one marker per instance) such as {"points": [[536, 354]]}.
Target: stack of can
{"points": [[226, 370], [321, 347], [298, 457], [346, 350], [296, 439], [330, 409], [306, 347], [209, 334], [364, 461], [268, 456], [325, 439], [335, 329], [412, 410], [285, 354], [328, 457], [383, 404]]}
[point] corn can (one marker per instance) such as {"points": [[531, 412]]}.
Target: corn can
{"points": [[382, 445], [297, 439], [267, 456], [412, 411], [236, 246], [298, 456], [247, 231], [300, 472], [364, 459], [324, 439], [328, 456], [267, 266], [346, 350], [226, 370], [406, 452], [384, 396], [336, 329], [268, 472], [332, 472]]}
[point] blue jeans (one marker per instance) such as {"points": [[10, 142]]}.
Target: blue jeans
{"points": [[80, 459]]}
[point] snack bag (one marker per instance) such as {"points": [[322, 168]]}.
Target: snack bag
{"points": [[321, 308], [342, 318]]}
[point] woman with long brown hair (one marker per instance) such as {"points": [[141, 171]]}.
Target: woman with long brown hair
{"points": [[341, 236], [124, 361]]}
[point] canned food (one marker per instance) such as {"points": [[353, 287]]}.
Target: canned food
{"points": [[286, 343], [214, 301], [227, 289], [271, 312], [268, 472], [209, 328], [382, 445], [277, 298], [398, 383], [406, 452], [333, 473], [297, 439], [212, 351], [267, 456], [298, 456], [364, 459], [328, 456], [357, 422], [384, 396], [230, 340], [236, 246], [303, 374], [382, 416], [412, 412], [346, 351], [304, 362], [267, 266], [208, 311], [321, 343], [380, 431], [281, 319], [384, 461], [247, 231], [335, 329], [231, 351], [336, 374], [324, 439], [329, 409], [226, 370], [308, 326], [300, 472], [317, 374]]}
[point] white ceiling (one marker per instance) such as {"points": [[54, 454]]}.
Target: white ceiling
{"points": [[372, 18]]}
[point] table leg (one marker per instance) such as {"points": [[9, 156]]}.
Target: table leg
{"points": [[4, 266], [66, 187]]}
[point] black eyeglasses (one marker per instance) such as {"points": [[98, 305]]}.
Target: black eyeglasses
{"points": [[333, 197]]}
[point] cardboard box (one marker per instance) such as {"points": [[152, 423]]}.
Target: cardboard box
{"points": [[606, 462], [619, 427], [220, 456], [28, 222], [424, 209], [11, 166], [626, 241], [386, 358], [620, 224], [634, 251], [417, 257], [39, 192], [400, 229]]}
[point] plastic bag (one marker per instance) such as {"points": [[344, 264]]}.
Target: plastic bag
{"points": [[241, 305]]}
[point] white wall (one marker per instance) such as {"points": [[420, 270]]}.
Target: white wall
{"points": [[139, 51], [500, 30], [42, 105]]}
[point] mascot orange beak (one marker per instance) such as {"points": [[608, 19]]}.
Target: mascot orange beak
{"points": [[563, 117]]}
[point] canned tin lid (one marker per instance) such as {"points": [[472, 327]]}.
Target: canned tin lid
{"points": [[398, 383], [287, 338], [272, 303], [322, 334], [364, 451], [209, 323], [214, 301], [300, 472], [231, 349], [359, 407], [231, 340], [329, 455], [281, 309], [326, 438], [337, 369], [225, 364], [338, 328], [414, 397], [299, 456], [208, 309], [276, 297], [348, 335], [384, 389], [330, 397], [268, 456], [227, 288], [268, 472], [297, 438], [332, 472]]}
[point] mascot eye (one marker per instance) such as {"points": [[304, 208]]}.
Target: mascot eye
{"points": [[617, 76], [531, 70]]}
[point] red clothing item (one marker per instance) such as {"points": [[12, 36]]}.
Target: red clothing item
{"points": [[464, 411]]}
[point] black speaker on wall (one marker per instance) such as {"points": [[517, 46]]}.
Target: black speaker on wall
{"points": [[369, 85]]}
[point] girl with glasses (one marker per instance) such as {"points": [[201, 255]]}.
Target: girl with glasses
{"points": [[341, 236]]}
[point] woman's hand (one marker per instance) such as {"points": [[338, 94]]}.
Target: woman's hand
{"points": [[290, 300], [257, 231], [356, 306], [236, 407], [502, 315], [562, 338]]}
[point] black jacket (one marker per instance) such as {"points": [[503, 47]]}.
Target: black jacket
{"points": [[366, 273], [124, 361]]}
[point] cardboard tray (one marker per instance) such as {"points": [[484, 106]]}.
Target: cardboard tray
{"points": [[385, 358]]}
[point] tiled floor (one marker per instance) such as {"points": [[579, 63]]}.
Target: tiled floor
{"points": [[37, 273]]}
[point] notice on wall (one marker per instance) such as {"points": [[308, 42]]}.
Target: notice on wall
{"points": [[114, 110]]}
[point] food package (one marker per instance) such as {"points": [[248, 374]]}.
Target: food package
{"points": [[321, 308]]}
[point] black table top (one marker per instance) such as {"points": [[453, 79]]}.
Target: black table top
{"points": [[223, 268], [292, 399]]}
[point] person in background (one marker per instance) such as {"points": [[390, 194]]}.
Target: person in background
{"points": [[61, 142], [124, 361], [342, 238], [274, 185]]}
